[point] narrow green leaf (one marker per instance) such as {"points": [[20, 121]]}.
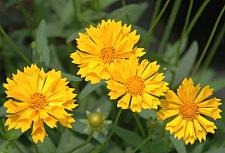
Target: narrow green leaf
{"points": [[178, 144], [71, 77], [146, 114], [216, 150], [12, 134], [218, 84], [128, 136], [130, 10], [47, 146], [41, 54], [68, 143], [88, 89], [186, 63], [106, 3], [198, 148], [6, 147]]}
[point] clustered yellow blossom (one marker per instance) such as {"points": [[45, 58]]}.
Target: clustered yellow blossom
{"points": [[138, 85], [35, 98], [109, 52], [100, 46], [188, 109]]}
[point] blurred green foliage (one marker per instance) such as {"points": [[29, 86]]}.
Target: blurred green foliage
{"points": [[44, 32]]}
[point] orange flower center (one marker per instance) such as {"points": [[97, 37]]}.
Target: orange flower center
{"points": [[135, 86], [189, 110], [38, 101], [108, 55]]}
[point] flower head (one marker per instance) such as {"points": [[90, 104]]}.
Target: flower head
{"points": [[138, 85], [188, 109], [96, 124], [35, 98], [100, 46]]}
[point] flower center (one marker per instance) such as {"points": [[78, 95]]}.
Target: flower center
{"points": [[189, 110], [38, 101], [135, 85], [108, 54]]}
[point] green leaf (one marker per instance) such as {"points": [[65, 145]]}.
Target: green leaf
{"points": [[178, 144], [170, 53], [106, 3], [12, 134], [6, 147], [216, 150], [130, 10], [218, 84], [186, 63], [199, 148], [41, 53], [2, 111], [71, 77], [68, 142], [88, 89], [128, 136], [146, 114], [73, 36], [12, 147], [47, 146]]}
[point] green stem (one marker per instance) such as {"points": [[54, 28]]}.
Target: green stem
{"points": [[115, 124], [197, 15], [208, 42], [184, 31], [83, 144], [20, 52], [100, 148], [169, 25], [183, 35], [155, 22], [141, 144], [155, 13], [213, 50], [137, 120]]}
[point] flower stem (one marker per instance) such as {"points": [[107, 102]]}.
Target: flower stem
{"points": [[20, 52], [169, 25], [183, 35], [141, 144], [209, 41], [213, 50], [197, 15], [154, 23], [183, 32], [115, 124], [154, 14], [100, 148], [136, 118]]}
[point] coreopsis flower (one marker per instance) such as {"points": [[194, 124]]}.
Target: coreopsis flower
{"points": [[137, 85], [188, 110], [37, 98], [100, 46]]}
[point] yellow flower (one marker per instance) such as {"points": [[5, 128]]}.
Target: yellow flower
{"points": [[188, 110], [35, 98], [100, 46], [138, 85]]}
